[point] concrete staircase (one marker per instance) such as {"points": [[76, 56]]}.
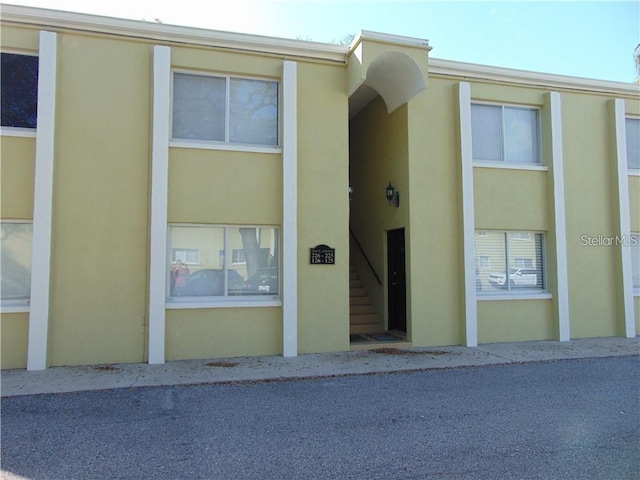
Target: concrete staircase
{"points": [[362, 314]]}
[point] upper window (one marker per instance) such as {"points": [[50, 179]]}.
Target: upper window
{"points": [[635, 261], [225, 110], [15, 269], [516, 266], [234, 262], [633, 143], [19, 96], [505, 134]]}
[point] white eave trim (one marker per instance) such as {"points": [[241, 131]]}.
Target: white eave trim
{"points": [[161, 32], [389, 39], [472, 71]]}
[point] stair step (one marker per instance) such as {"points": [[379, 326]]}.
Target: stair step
{"points": [[359, 300], [365, 328], [357, 292], [355, 284], [359, 319], [353, 276], [361, 309]]}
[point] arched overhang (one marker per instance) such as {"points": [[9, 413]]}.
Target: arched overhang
{"points": [[396, 77], [393, 75]]}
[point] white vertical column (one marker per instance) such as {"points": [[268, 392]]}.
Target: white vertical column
{"points": [[468, 216], [557, 166], [624, 210], [43, 204], [290, 210], [159, 194]]}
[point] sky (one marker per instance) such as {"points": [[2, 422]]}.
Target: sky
{"points": [[590, 39]]}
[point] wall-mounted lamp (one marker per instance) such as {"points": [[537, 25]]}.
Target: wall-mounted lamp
{"points": [[393, 197]]}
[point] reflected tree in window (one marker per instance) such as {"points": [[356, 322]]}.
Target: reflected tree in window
{"points": [[19, 95]]}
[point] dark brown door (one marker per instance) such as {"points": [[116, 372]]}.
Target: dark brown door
{"points": [[397, 286]]}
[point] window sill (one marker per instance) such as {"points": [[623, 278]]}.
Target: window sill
{"points": [[222, 303], [14, 307], [515, 296], [17, 132], [511, 166], [223, 146]]}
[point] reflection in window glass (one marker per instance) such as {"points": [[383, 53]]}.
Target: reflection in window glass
{"points": [[15, 269], [253, 112], [233, 261], [225, 109], [516, 266], [19, 95], [199, 107]]}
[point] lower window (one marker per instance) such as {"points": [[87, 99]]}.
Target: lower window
{"points": [[516, 259], [635, 262], [15, 270], [219, 273]]}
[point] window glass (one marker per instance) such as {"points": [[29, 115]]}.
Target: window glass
{"points": [[253, 108], [15, 269], [486, 132], [233, 261], [521, 137], [505, 134], [516, 264], [635, 260], [199, 107], [633, 142], [225, 109], [19, 95]]}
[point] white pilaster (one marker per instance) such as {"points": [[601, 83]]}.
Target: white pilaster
{"points": [[159, 193], [43, 204], [557, 166], [468, 216], [624, 209], [290, 210]]}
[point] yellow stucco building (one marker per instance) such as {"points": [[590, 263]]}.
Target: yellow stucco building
{"points": [[173, 193]]}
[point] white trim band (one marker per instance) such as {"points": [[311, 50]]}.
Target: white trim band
{"points": [[290, 210], [468, 217], [557, 166], [624, 212], [43, 204], [159, 195]]}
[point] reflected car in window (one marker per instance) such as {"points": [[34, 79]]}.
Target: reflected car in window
{"points": [[210, 282], [518, 277], [264, 282]]}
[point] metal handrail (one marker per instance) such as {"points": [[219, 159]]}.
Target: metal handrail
{"points": [[365, 256]]}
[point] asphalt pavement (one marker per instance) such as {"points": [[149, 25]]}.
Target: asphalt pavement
{"points": [[519, 419]]}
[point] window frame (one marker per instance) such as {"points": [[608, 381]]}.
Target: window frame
{"points": [[29, 132], [224, 301], [516, 294], [631, 171], [226, 144], [22, 304], [503, 163]]}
